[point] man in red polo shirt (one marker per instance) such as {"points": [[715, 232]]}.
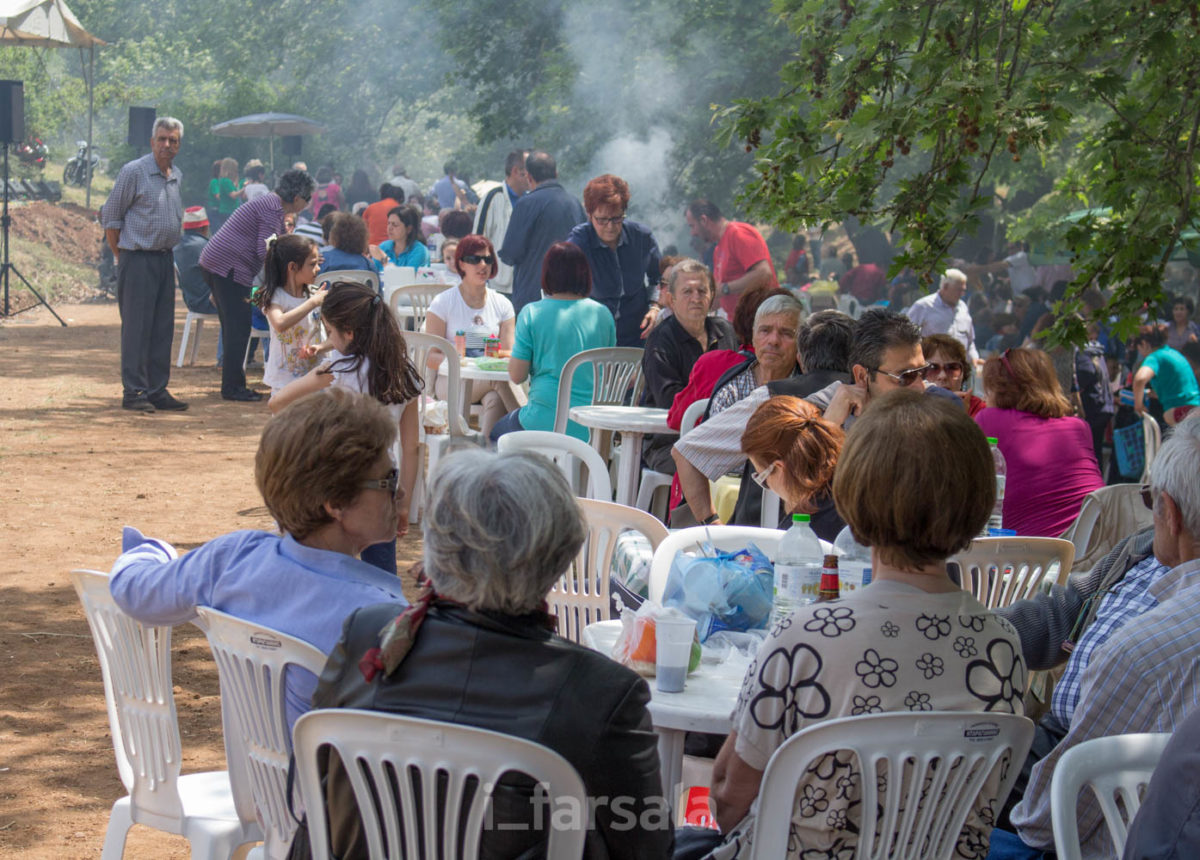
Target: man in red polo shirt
{"points": [[741, 260], [376, 214]]}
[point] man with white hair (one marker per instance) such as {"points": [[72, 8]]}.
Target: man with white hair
{"points": [[143, 222], [1146, 677], [945, 312]]}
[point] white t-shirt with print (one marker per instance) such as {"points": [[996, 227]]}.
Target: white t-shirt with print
{"points": [[284, 364], [477, 323], [358, 381], [887, 647]]}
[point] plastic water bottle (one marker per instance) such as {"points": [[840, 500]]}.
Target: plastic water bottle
{"points": [[798, 564], [996, 520], [854, 562]]}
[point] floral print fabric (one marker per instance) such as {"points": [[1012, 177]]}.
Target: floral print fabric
{"points": [[888, 647]]}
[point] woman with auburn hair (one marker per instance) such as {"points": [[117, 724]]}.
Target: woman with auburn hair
{"points": [[950, 367], [793, 451], [622, 256], [912, 640], [1051, 462]]}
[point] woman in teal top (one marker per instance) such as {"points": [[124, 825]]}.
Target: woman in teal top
{"points": [[403, 246], [1167, 372], [548, 334], [213, 203], [230, 192]]}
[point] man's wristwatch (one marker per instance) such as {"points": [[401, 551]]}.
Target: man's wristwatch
{"points": [[725, 289], [709, 520]]}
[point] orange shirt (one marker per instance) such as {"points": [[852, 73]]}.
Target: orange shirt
{"points": [[376, 217]]}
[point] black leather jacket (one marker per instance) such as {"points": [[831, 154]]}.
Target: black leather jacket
{"points": [[509, 674]]}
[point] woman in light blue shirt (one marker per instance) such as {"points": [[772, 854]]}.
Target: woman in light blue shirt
{"points": [[548, 334], [403, 246]]}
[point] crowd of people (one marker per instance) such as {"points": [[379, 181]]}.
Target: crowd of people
{"points": [[869, 421]]}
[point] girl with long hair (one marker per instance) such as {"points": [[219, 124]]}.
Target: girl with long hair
{"points": [[292, 307]]}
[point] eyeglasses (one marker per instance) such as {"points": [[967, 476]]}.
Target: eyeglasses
{"points": [[761, 476], [611, 222], [907, 377], [1147, 496], [472, 259], [389, 482], [950, 367]]}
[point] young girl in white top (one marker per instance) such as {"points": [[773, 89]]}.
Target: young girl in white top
{"points": [[370, 357], [291, 306], [478, 311]]}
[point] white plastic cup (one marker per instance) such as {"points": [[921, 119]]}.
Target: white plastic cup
{"points": [[673, 635]]}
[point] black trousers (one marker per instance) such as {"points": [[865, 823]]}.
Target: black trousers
{"points": [[233, 307], [146, 301]]}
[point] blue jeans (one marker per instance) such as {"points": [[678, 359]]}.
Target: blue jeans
{"points": [[508, 424]]}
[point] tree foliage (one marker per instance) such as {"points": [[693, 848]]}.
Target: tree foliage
{"points": [[907, 112]]}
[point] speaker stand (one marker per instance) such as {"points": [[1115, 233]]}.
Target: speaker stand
{"points": [[6, 267]]}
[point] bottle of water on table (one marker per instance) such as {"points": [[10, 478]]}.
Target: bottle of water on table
{"points": [[798, 564], [854, 562], [996, 520]]}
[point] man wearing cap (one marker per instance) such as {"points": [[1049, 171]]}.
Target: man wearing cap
{"points": [[142, 219], [192, 283]]}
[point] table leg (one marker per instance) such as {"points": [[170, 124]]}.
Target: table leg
{"points": [[670, 757], [631, 467]]}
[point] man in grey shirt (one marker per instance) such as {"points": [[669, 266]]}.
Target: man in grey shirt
{"points": [[143, 221]]}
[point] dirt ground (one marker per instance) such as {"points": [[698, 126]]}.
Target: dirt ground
{"points": [[75, 468]]}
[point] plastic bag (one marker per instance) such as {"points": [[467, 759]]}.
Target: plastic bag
{"points": [[722, 590], [437, 417], [636, 646]]}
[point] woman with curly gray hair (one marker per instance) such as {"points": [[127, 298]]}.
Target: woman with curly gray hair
{"points": [[478, 649], [234, 256]]}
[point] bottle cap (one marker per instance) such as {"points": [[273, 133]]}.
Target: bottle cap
{"points": [[992, 440], [801, 518]]}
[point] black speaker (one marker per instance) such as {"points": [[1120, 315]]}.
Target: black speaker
{"points": [[292, 144], [141, 126], [12, 112]]}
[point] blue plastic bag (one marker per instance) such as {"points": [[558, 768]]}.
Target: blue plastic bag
{"points": [[722, 590]]}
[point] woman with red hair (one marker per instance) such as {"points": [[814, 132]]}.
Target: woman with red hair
{"points": [[622, 257], [479, 312]]}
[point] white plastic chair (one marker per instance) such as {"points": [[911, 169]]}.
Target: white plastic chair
{"points": [[1152, 437], [251, 663], [616, 373], [568, 453], [435, 445], [580, 597], [400, 276], [259, 334], [350, 276], [955, 751], [394, 765], [411, 302], [722, 538], [1002, 570], [653, 482], [193, 320], [1107, 515], [135, 663], [1116, 769]]}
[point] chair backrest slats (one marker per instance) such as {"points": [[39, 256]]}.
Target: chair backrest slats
{"points": [[616, 379], [1002, 570]]}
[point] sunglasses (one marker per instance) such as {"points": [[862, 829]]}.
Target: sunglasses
{"points": [[760, 477], [1147, 496], [472, 259], [389, 483], [907, 377], [950, 367]]}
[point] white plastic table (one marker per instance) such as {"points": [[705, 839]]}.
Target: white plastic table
{"points": [[632, 422], [468, 371], [705, 705]]}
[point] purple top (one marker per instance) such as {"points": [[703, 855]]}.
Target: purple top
{"points": [[1051, 467], [240, 244]]}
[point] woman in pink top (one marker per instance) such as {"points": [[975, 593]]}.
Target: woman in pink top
{"points": [[1051, 462]]}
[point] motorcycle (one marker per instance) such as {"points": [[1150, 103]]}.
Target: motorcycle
{"points": [[32, 153], [78, 168]]}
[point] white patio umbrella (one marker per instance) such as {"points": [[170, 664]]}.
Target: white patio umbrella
{"points": [[267, 125], [50, 24]]}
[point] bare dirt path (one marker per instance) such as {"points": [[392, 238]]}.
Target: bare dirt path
{"points": [[74, 468]]}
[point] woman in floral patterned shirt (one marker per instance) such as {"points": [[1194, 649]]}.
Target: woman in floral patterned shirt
{"points": [[915, 482]]}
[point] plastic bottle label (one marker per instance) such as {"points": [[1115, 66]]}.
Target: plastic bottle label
{"points": [[1000, 479], [788, 579]]}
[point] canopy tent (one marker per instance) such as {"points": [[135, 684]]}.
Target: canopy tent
{"points": [[267, 125], [50, 24]]}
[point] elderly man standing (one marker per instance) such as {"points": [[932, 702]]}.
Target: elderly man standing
{"points": [[740, 260], [494, 213], [1146, 677], [143, 221], [945, 312], [542, 217]]}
